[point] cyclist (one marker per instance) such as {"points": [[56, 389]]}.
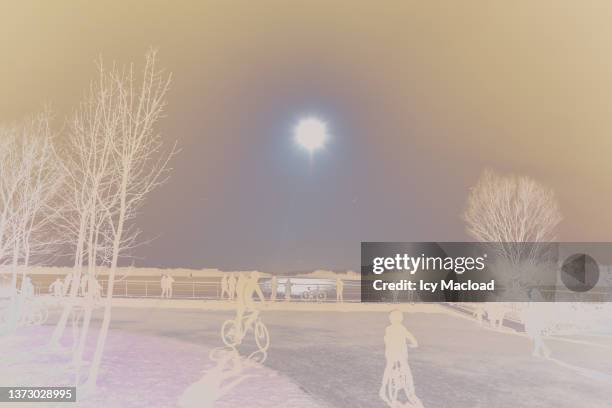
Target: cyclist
{"points": [[246, 289], [397, 341]]}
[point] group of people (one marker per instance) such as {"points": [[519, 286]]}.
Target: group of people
{"points": [[230, 283], [86, 285], [166, 283], [233, 284], [274, 289]]}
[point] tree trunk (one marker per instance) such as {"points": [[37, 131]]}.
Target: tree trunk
{"points": [[78, 262], [88, 299], [97, 360]]}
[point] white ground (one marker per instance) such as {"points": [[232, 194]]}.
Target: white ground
{"points": [[322, 355]]}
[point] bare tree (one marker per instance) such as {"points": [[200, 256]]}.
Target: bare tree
{"points": [[511, 210], [139, 164], [86, 164], [10, 180], [28, 183], [41, 180]]}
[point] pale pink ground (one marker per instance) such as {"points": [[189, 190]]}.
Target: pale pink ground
{"points": [[137, 371]]}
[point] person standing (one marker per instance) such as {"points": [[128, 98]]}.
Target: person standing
{"points": [[231, 286], [67, 282], [288, 286], [169, 283], [83, 286], [339, 290], [27, 288], [57, 288], [96, 289], [224, 287], [273, 288], [164, 286], [240, 283], [397, 376], [537, 320]]}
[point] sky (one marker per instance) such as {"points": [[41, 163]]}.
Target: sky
{"points": [[419, 99]]}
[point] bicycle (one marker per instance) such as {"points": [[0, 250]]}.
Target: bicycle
{"points": [[37, 315], [399, 380], [233, 332], [33, 313], [314, 295]]}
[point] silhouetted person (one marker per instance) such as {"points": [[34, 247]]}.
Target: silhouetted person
{"points": [[397, 370], [245, 292], [169, 283], [231, 286], [67, 282], [536, 322], [57, 288], [162, 284], [95, 288], [83, 286], [240, 283], [224, 287], [166, 286], [339, 290], [479, 313], [27, 288], [273, 288], [288, 286], [495, 314], [27, 295]]}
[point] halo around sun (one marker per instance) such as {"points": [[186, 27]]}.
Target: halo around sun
{"points": [[311, 133]]}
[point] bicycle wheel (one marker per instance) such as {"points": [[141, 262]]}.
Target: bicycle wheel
{"points": [[305, 296], [395, 384], [44, 315], [230, 333], [258, 356], [262, 336], [321, 297], [37, 317]]}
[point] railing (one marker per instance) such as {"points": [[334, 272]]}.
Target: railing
{"points": [[210, 290]]}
